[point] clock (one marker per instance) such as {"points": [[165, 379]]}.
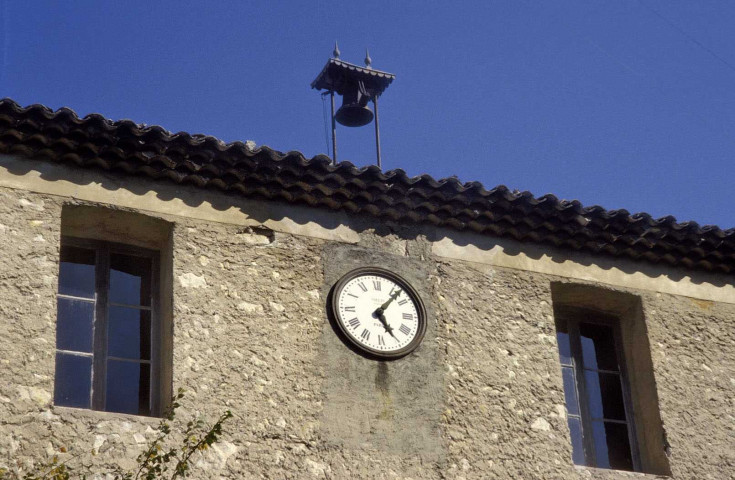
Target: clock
{"points": [[379, 312]]}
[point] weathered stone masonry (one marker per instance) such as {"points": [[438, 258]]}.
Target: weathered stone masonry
{"points": [[481, 398]]}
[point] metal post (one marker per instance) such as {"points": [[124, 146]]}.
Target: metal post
{"points": [[334, 133], [377, 131]]}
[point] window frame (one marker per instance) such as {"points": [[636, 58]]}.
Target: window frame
{"points": [[573, 316], [103, 250]]}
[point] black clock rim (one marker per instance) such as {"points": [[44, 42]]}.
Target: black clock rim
{"points": [[390, 275]]}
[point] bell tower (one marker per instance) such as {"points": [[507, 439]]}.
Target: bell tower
{"points": [[357, 86]]}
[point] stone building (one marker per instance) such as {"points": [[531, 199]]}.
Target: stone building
{"points": [[529, 337]]}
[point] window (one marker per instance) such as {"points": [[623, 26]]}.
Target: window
{"points": [[107, 328], [608, 377], [596, 391]]}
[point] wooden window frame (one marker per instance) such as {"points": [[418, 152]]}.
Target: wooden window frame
{"points": [[573, 316], [99, 355]]}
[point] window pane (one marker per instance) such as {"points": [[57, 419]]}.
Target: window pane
{"points": [[575, 431], [130, 280], [612, 447], [74, 321], [76, 272], [73, 384], [605, 395], [570, 390], [128, 387], [129, 333], [598, 347], [562, 339]]}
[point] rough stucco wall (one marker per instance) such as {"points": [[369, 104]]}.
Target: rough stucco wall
{"points": [[246, 338], [249, 336], [32, 430], [29, 231], [502, 361], [693, 353], [504, 412]]}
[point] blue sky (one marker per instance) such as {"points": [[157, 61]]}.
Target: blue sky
{"points": [[624, 104]]}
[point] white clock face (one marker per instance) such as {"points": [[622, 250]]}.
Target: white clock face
{"points": [[379, 314]]}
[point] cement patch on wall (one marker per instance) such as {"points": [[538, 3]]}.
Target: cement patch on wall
{"points": [[393, 406]]}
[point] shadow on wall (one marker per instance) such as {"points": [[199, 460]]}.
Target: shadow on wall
{"points": [[536, 251], [302, 214]]}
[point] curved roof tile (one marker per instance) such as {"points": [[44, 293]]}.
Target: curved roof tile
{"points": [[206, 162]]}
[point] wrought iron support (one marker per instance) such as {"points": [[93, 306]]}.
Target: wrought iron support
{"points": [[377, 131], [334, 131]]}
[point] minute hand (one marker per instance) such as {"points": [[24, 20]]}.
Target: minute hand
{"points": [[389, 301]]}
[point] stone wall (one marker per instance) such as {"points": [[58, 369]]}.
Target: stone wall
{"points": [[481, 398]]}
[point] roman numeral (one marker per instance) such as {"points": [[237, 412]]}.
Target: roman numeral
{"points": [[362, 286], [349, 309], [351, 295], [391, 290], [380, 340], [402, 302], [354, 322], [376, 285], [365, 335], [404, 329], [407, 316]]}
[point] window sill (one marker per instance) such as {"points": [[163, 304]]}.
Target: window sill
{"points": [[605, 473], [69, 413]]}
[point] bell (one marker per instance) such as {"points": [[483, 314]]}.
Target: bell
{"points": [[354, 115], [354, 111]]}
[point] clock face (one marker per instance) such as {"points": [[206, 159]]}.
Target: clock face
{"points": [[379, 312]]}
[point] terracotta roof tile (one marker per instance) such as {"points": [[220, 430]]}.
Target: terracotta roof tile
{"points": [[127, 148]]}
